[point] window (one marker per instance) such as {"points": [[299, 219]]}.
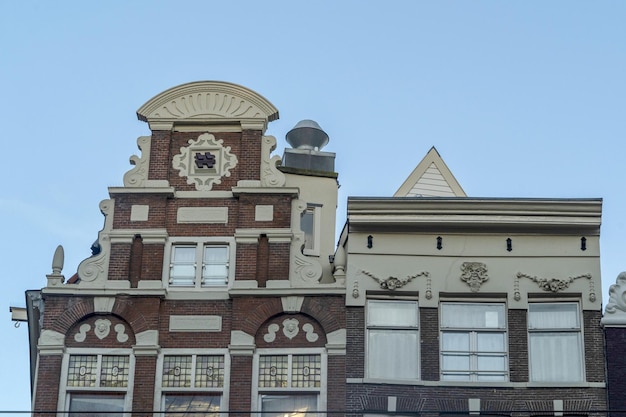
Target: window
{"points": [[291, 384], [473, 342], [310, 223], [96, 384], [199, 264], [555, 342], [192, 384], [392, 339]]}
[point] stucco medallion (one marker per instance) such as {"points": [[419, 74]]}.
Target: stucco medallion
{"points": [[474, 274], [204, 162]]}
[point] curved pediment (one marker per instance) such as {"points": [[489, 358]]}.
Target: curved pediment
{"points": [[207, 102]]}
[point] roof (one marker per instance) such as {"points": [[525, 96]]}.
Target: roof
{"points": [[431, 178]]}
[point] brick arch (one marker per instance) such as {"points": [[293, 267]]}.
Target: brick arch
{"points": [[85, 308], [325, 316], [73, 315]]}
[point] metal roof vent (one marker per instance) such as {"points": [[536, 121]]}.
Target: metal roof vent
{"points": [[307, 134]]}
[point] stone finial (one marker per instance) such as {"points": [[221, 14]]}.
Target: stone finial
{"points": [[56, 278], [57, 260]]}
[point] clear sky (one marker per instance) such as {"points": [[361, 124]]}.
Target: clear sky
{"points": [[521, 99]]}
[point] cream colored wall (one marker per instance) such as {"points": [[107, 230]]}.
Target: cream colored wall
{"points": [[320, 190], [407, 254]]}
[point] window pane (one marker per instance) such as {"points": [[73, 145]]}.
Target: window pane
{"points": [[393, 354], [306, 371], [209, 371], [472, 316], [455, 362], [114, 372], [96, 405], [193, 405], [491, 377], [183, 266], [307, 226], [555, 357], [177, 371], [491, 363], [392, 313], [553, 316], [446, 376], [455, 341], [214, 275], [215, 254], [490, 342], [291, 405], [273, 371], [82, 371], [184, 254]]}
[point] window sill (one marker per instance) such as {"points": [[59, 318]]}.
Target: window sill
{"points": [[475, 384]]}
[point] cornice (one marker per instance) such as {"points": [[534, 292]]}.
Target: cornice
{"points": [[166, 191], [480, 214], [208, 102]]}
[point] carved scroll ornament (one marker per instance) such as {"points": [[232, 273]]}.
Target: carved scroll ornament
{"points": [[391, 283]]}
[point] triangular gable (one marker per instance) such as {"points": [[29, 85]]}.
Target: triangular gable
{"points": [[431, 178]]}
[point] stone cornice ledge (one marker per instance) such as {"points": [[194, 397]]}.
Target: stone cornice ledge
{"points": [[147, 235], [73, 289], [167, 191], [282, 235], [321, 289], [237, 191]]}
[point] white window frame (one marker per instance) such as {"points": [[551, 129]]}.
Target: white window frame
{"points": [[474, 373], [223, 391], [65, 392], [405, 329], [257, 392], [577, 330], [316, 211], [199, 243]]}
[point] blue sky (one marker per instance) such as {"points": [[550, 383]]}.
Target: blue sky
{"points": [[521, 99]]}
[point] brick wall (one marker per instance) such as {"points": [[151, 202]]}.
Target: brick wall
{"points": [[518, 345]]}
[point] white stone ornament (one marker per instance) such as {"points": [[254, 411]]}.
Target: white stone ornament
{"points": [[102, 328], [474, 274], [82, 333], [120, 329], [290, 328], [311, 336], [271, 333], [615, 311], [204, 162]]}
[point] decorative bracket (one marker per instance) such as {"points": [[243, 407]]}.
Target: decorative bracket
{"points": [[270, 175]]}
